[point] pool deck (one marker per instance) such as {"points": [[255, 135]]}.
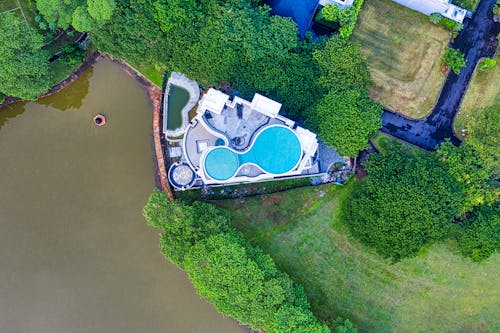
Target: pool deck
{"points": [[235, 124]]}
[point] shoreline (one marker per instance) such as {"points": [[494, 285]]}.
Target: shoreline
{"points": [[87, 63], [155, 97]]}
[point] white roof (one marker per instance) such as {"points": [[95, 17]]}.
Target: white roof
{"points": [[213, 101], [429, 7], [265, 106], [308, 140]]}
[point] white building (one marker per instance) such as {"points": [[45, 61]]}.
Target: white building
{"points": [[443, 7], [427, 7]]}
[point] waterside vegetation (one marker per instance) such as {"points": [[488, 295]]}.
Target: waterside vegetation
{"points": [[236, 277]]}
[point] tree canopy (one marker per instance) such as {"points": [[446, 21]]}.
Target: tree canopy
{"points": [[479, 235], [405, 202], [345, 117], [24, 69], [483, 134], [81, 14], [346, 120], [467, 167]]}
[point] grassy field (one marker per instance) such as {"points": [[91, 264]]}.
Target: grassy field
{"points": [[438, 291], [483, 91], [384, 143], [404, 52]]}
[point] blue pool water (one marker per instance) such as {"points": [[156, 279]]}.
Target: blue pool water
{"points": [[276, 150]]}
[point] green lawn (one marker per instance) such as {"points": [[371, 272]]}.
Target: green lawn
{"points": [[404, 50], [439, 291], [384, 143], [483, 91]]}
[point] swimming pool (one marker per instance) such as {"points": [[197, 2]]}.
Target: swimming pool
{"points": [[276, 150]]}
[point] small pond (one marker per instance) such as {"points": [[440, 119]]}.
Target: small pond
{"points": [[178, 97]]}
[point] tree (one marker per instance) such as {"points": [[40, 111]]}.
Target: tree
{"points": [[24, 69], [344, 326], [131, 34], [454, 59], [342, 66], [293, 319], [405, 202], [346, 120], [465, 165], [484, 136], [183, 225], [100, 10], [81, 14], [81, 19], [58, 12], [479, 235]]}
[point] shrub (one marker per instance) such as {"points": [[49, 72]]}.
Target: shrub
{"points": [[435, 18], [479, 235], [454, 59], [451, 25], [346, 31], [486, 64], [334, 13]]}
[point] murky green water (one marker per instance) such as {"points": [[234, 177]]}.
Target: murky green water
{"points": [[177, 100], [75, 252]]}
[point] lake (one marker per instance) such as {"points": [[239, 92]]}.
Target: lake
{"points": [[75, 252]]}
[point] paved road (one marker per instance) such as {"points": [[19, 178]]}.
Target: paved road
{"points": [[476, 40]]}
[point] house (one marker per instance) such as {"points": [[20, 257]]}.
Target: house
{"points": [[443, 7], [427, 7], [230, 140]]}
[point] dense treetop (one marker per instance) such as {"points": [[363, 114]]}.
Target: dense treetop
{"points": [[345, 117], [81, 14], [407, 201], [24, 70]]}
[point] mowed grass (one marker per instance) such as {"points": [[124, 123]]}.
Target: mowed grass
{"points": [[438, 291], [404, 50], [483, 91], [384, 143]]}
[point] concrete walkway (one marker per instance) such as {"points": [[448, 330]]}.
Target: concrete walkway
{"points": [[476, 40]]}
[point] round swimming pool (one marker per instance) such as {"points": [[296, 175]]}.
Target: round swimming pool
{"points": [[275, 150]]}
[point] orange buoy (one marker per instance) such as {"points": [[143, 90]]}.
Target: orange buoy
{"points": [[99, 120]]}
